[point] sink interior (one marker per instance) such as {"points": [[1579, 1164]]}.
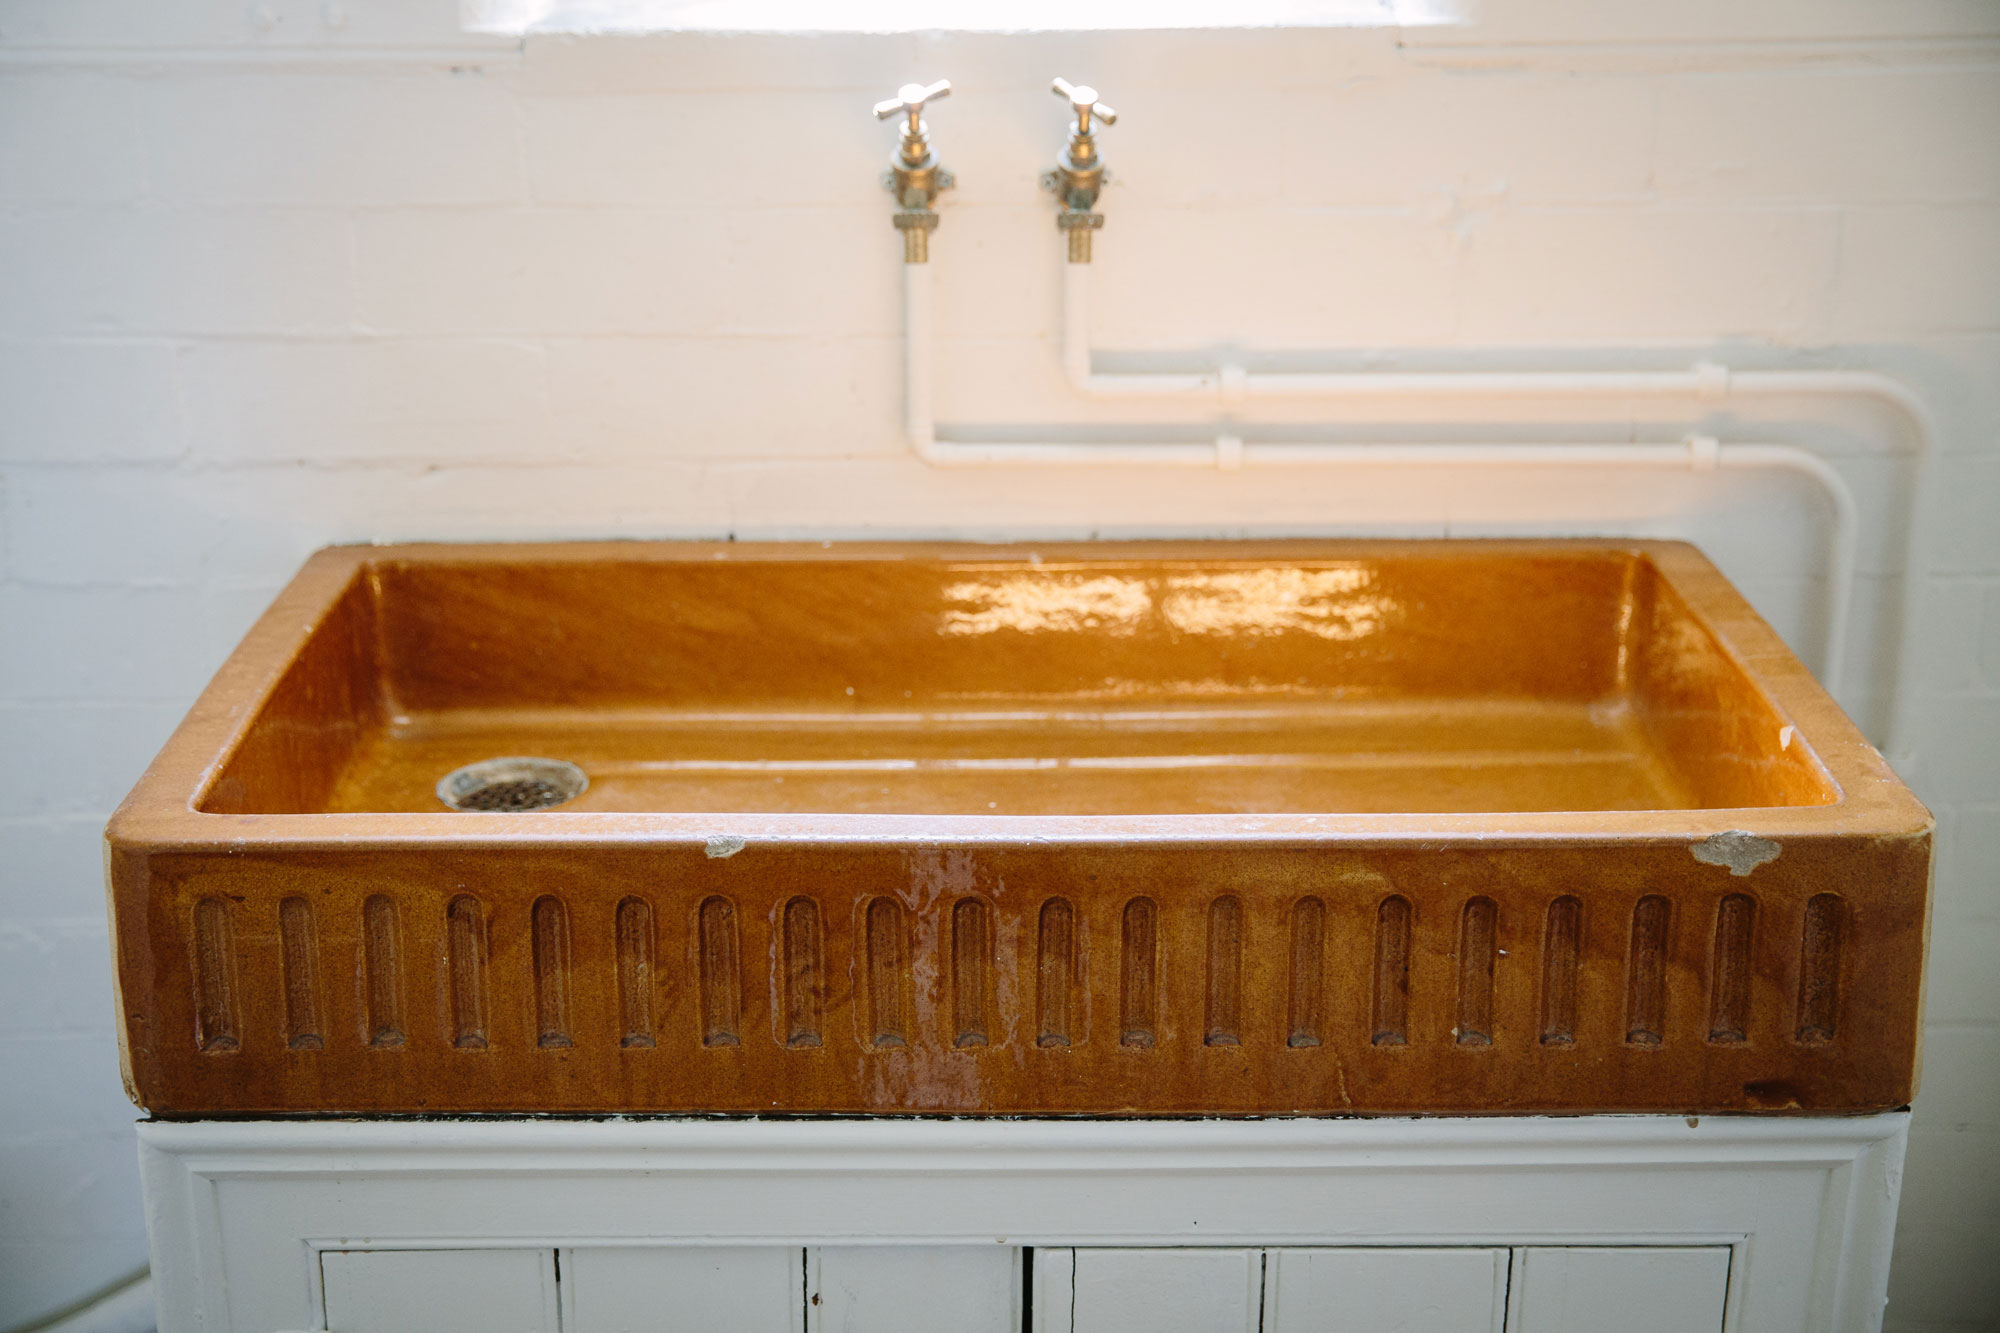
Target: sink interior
{"points": [[1436, 678]]}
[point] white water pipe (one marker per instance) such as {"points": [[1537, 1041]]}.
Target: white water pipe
{"points": [[1231, 384]]}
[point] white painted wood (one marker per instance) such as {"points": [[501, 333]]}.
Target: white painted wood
{"points": [[237, 1209], [1055, 1279], [683, 1289], [1385, 1291], [1163, 1291], [1636, 1289], [914, 1289], [440, 1291]]}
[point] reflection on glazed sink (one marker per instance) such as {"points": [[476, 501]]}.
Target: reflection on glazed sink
{"points": [[1164, 828]]}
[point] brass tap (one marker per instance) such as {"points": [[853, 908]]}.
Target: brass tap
{"points": [[914, 176], [1079, 174]]}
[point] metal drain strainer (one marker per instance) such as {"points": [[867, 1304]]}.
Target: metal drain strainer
{"points": [[514, 783]]}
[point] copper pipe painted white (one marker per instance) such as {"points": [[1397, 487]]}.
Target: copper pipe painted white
{"points": [[1229, 384]]}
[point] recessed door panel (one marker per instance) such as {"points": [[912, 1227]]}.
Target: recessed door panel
{"points": [[1385, 1291], [1150, 1291], [1633, 1289], [915, 1289], [684, 1289], [439, 1291]]}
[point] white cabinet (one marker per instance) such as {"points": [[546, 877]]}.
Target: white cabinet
{"points": [[980, 1289], [1634, 1289], [1385, 1291], [439, 1291], [1426, 1225]]}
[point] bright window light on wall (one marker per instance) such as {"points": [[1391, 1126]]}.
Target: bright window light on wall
{"points": [[610, 16]]}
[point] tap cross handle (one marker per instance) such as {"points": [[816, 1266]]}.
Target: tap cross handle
{"points": [[909, 101], [1083, 100]]}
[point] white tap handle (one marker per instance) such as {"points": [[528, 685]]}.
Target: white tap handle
{"points": [[910, 99], [1083, 100]]}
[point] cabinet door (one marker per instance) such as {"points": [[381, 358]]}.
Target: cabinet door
{"points": [[914, 1289], [1634, 1289], [684, 1289], [1147, 1291], [1385, 1291], [439, 1291]]}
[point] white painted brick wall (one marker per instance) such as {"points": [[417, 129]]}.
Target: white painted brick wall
{"points": [[401, 139], [266, 289], [60, 409]]}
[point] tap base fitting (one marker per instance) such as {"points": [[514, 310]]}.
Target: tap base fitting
{"points": [[1081, 229], [916, 224]]}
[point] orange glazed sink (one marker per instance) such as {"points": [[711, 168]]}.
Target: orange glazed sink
{"points": [[1164, 828]]}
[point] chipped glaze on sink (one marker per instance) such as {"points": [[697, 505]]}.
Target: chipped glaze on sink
{"points": [[1140, 828]]}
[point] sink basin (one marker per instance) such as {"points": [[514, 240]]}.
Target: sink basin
{"points": [[1164, 828]]}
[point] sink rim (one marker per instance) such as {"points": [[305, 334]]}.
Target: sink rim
{"points": [[162, 811]]}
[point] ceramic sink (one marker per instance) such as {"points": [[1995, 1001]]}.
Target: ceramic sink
{"points": [[1166, 828]]}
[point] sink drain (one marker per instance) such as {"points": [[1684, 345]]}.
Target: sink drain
{"points": [[516, 783]]}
